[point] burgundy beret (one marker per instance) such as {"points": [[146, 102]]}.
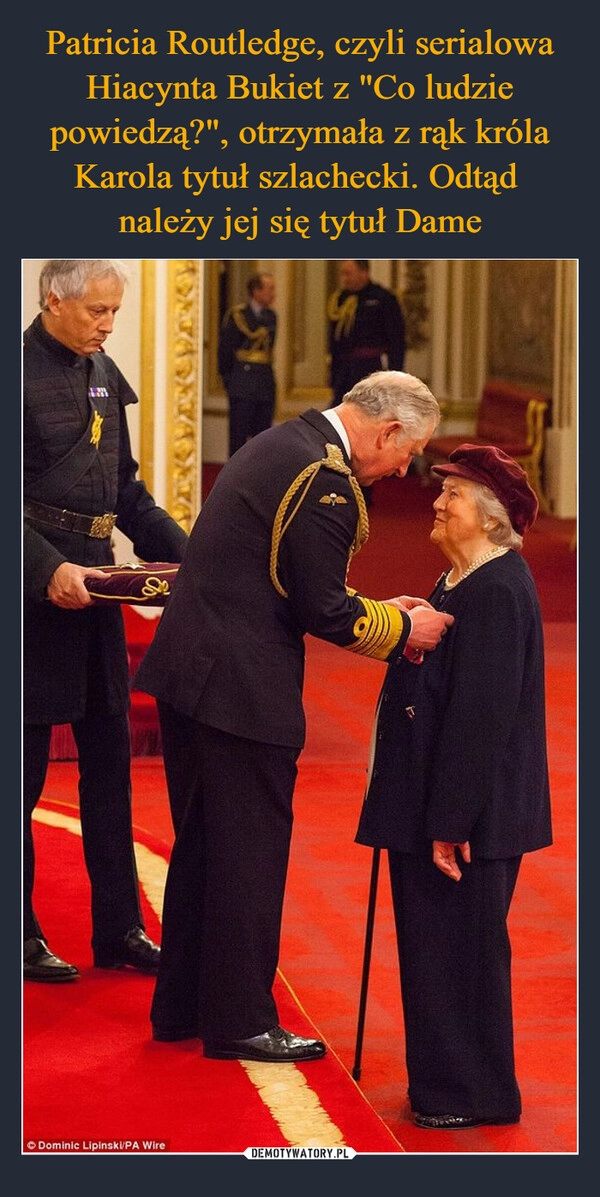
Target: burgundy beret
{"points": [[501, 474], [148, 585]]}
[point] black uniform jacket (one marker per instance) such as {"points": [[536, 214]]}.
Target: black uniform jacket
{"points": [[57, 643], [245, 352], [364, 325], [266, 563], [460, 741]]}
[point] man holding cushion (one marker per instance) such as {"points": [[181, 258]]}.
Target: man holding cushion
{"points": [[80, 479]]}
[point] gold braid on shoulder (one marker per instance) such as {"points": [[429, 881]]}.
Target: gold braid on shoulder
{"points": [[300, 487], [259, 336], [342, 314]]}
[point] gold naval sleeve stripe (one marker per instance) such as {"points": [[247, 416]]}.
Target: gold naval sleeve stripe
{"points": [[377, 631]]}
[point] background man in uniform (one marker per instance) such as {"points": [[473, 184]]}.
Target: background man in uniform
{"points": [[245, 361], [366, 328], [79, 481]]}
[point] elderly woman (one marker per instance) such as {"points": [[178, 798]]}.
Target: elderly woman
{"points": [[458, 791]]}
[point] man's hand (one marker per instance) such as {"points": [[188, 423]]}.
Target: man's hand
{"points": [[405, 602], [66, 587], [428, 626], [444, 857]]}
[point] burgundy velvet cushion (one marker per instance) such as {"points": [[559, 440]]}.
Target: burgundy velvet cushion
{"points": [[149, 584]]}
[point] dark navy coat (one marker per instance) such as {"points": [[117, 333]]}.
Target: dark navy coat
{"points": [[460, 741], [363, 326], [245, 358]]}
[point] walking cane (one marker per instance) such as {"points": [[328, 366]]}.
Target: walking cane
{"points": [[362, 1005]]}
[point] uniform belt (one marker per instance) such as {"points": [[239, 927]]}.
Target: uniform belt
{"points": [[98, 526], [259, 357], [367, 351]]}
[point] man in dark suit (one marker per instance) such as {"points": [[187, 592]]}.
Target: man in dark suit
{"points": [[80, 479], [245, 360], [366, 328], [266, 564]]}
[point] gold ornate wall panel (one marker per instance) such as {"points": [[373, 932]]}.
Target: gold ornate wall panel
{"points": [[184, 406], [225, 285], [564, 413], [410, 285], [474, 329], [216, 303], [305, 373], [521, 321], [300, 299], [147, 372]]}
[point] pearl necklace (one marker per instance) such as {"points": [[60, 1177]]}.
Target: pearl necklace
{"points": [[499, 551]]}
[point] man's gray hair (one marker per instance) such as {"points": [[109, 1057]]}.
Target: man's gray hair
{"points": [[394, 395], [68, 278]]}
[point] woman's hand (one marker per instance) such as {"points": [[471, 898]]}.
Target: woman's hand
{"points": [[444, 857]]}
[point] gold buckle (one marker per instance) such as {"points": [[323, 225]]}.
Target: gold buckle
{"points": [[102, 525]]}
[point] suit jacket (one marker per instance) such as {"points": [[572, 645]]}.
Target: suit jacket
{"points": [[460, 741], [245, 352], [266, 563], [363, 325]]}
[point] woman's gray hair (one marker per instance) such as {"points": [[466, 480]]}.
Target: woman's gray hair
{"points": [[68, 278], [490, 508], [394, 395]]}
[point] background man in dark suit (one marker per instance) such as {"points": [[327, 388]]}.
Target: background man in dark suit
{"points": [[79, 481], [266, 564], [245, 360], [366, 328]]}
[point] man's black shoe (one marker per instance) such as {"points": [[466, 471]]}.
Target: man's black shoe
{"points": [[40, 964], [458, 1121], [135, 951], [275, 1046]]}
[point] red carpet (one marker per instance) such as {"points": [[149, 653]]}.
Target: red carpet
{"points": [[328, 890], [95, 1081], [87, 1049]]}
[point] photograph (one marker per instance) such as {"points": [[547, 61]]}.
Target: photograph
{"points": [[299, 705]]}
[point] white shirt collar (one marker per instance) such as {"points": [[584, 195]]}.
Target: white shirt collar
{"points": [[331, 414]]}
